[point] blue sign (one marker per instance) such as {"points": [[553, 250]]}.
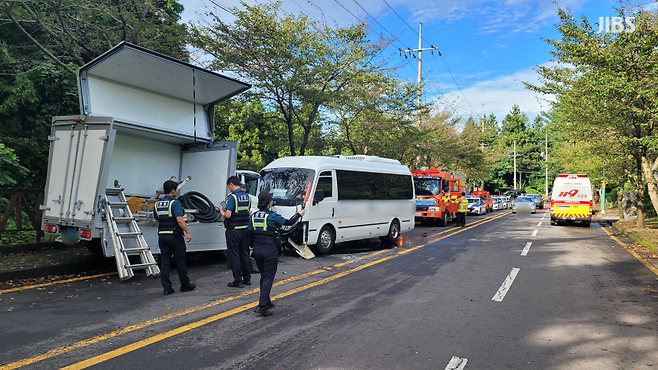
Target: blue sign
{"points": [[426, 202]]}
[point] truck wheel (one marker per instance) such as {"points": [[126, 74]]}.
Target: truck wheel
{"points": [[94, 246], [326, 240], [444, 220], [393, 233]]}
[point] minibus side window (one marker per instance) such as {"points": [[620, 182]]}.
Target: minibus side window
{"points": [[325, 183], [358, 185]]}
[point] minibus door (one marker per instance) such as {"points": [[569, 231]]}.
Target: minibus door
{"points": [[323, 212]]}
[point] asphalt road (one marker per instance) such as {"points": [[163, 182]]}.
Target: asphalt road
{"points": [[505, 292]]}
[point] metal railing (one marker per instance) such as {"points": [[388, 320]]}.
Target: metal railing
{"points": [[18, 207]]}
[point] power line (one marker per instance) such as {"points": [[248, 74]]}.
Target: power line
{"points": [[405, 22], [357, 18], [396, 38], [375, 19], [303, 10], [440, 55], [222, 7]]}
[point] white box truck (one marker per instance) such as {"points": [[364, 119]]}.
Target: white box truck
{"points": [[145, 118]]}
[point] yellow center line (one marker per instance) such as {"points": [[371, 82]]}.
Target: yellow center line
{"points": [[26, 287], [55, 282], [632, 252], [159, 337]]}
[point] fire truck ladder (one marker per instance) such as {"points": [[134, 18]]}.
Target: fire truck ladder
{"points": [[118, 213]]}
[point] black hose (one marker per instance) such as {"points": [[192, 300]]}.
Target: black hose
{"points": [[207, 212]]}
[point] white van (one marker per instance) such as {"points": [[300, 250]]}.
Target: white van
{"points": [[346, 198], [571, 199], [251, 180]]}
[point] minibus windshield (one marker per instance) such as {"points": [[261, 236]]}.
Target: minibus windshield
{"points": [[287, 185]]}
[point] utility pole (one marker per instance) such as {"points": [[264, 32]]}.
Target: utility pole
{"points": [[420, 59], [546, 192], [515, 165], [603, 189]]}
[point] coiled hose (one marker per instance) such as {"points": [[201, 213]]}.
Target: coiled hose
{"points": [[207, 210]]}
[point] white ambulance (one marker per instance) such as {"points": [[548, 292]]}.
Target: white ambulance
{"points": [[571, 200]]}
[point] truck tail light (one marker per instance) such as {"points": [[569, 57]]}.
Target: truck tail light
{"points": [[51, 229], [85, 234]]}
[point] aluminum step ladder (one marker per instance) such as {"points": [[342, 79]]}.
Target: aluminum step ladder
{"points": [[123, 227]]}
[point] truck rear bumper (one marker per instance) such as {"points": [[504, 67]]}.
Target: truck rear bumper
{"points": [[586, 219]]}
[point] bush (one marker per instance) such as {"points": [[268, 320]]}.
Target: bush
{"points": [[20, 237]]}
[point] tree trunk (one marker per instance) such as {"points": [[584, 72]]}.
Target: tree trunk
{"points": [[620, 197], [652, 185], [639, 193]]}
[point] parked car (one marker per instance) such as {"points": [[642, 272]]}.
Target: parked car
{"points": [[496, 203], [539, 201], [503, 202], [477, 206], [524, 205]]}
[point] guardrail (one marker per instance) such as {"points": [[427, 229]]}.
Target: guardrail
{"points": [[18, 207]]}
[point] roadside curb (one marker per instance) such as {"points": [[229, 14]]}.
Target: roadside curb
{"points": [[636, 239], [38, 272], [28, 247]]}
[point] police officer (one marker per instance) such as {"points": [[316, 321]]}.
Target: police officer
{"points": [[263, 225], [252, 268], [236, 218], [462, 210], [171, 226]]}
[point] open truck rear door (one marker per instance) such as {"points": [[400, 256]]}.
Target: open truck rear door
{"points": [[146, 118]]}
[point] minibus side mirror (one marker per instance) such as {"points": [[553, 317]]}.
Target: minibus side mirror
{"points": [[318, 197]]}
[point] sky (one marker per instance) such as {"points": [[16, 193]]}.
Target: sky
{"points": [[488, 48]]}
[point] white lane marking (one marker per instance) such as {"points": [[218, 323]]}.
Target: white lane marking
{"points": [[539, 224], [526, 249], [456, 363], [534, 233], [500, 294]]}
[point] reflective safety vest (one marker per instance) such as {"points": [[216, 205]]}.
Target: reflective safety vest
{"points": [[264, 234], [463, 205], [167, 224], [240, 215]]}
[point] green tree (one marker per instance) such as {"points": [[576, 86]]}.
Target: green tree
{"points": [[605, 89], [42, 43], [375, 118], [256, 130], [29, 102], [77, 31], [298, 66], [10, 170]]}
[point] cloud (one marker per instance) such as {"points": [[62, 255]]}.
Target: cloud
{"points": [[499, 94]]}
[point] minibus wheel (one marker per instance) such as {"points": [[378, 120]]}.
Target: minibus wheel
{"points": [[393, 233], [326, 240]]}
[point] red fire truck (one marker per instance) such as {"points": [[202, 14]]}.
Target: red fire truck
{"points": [[435, 192], [486, 197]]}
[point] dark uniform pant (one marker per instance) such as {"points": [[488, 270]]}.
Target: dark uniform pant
{"points": [[267, 259], [237, 248], [461, 218], [173, 245]]}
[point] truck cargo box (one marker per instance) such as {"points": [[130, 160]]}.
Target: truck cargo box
{"points": [[145, 118]]}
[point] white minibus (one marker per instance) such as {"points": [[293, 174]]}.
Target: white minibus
{"points": [[346, 198]]}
